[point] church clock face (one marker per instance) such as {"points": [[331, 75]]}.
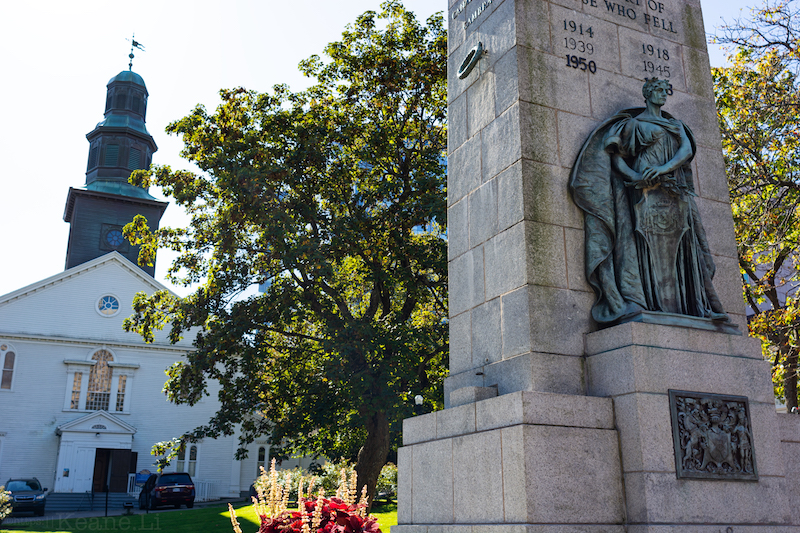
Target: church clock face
{"points": [[114, 238]]}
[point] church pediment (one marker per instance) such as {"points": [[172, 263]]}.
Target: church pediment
{"points": [[98, 422]]}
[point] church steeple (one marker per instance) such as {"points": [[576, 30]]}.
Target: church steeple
{"points": [[118, 145]]}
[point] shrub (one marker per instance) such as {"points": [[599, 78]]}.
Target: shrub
{"points": [[343, 513], [387, 482], [5, 503]]}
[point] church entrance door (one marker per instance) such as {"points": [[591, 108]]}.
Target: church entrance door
{"points": [[111, 468]]}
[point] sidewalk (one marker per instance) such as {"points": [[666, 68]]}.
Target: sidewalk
{"points": [[57, 516]]}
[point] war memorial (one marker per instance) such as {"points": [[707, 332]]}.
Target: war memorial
{"points": [[601, 376]]}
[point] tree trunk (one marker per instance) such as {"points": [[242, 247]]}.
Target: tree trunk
{"points": [[372, 455], [790, 379]]}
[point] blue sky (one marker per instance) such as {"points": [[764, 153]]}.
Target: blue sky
{"points": [[57, 57]]}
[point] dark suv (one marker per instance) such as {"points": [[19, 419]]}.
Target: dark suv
{"points": [[27, 494], [174, 488]]}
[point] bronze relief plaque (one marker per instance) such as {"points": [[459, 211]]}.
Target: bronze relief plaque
{"points": [[713, 436]]}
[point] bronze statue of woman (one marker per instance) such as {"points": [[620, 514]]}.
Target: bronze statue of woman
{"points": [[646, 248]]}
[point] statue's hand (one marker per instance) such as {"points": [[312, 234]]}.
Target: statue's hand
{"points": [[650, 173]]}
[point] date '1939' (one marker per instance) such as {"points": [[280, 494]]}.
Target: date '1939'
{"points": [[581, 63]]}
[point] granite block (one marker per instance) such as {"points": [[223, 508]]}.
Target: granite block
{"points": [[457, 123], [500, 143], [405, 482], [458, 228], [466, 395], [515, 475], [506, 81], [718, 223], [656, 370], [420, 428], [728, 284], [486, 333], [461, 342], [516, 323], [536, 125], [466, 281], [547, 262], [767, 447], [505, 261], [604, 41], [670, 337], [510, 200], [496, 28], [464, 170], [573, 130], [559, 318], [546, 195], [555, 494], [717, 528], [789, 426], [480, 103], [710, 180], [610, 93], [455, 421], [483, 213], [469, 378], [691, 22], [664, 54], [432, 491], [533, 27], [478, 478], [645, 432], [654, 497], [576, 259], [536, 371], [541, 408], [698, 72], [691, 109], [544, 81]]}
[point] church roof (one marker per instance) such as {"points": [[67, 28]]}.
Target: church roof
{"points": [[83, 268], [128, 76]]}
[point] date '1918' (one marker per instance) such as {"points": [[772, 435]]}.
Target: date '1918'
{"points": [[580, 63]]}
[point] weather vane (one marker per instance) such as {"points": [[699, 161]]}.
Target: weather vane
{"points": [[134, 44]]}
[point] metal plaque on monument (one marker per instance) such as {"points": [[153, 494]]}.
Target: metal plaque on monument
{"points": [[599, 378]]}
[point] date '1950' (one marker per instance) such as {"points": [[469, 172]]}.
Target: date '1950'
{"points": [[581, 63]]}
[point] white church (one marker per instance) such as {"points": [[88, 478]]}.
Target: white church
{"points": [[82, 401]]}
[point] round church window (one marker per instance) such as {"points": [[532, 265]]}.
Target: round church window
{"points": [[114, 237], [108, 305]]}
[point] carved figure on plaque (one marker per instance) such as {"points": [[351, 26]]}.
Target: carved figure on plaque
{"points": [[713, 436], [646, 248]]}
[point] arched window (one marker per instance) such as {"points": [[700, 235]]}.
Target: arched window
{"points": [[262, 459], [191, 466], [99, 390], [7, 359]]}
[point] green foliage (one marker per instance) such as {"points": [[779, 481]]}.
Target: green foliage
{"points": [[387, 482], [335, 198], [758, 102], [5, 503]]}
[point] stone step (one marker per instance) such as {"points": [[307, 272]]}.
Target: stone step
{"points": [[86, 501]]}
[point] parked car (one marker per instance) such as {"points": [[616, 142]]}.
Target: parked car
{"points": [[172, 488], [27, 494]]}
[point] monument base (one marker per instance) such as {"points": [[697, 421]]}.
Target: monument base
{"points": [[538, 462]]}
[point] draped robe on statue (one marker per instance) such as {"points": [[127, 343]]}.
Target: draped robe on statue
{"points": [[646, 248]]}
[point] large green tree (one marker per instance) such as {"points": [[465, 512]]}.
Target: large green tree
{"points": [[758, 102], [334, 198]]}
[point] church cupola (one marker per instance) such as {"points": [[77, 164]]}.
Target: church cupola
{"points": [[118, 145], [121, 143]]}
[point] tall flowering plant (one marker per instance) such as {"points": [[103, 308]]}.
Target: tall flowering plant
{"points": [[5, 503], [343, 513]]}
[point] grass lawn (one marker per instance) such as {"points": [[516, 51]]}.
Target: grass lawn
{"points": [[215, 518]]}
